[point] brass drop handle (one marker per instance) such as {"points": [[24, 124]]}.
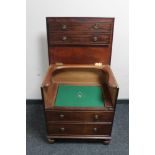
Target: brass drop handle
{"points": [[61, 115], [64, 38], [94, 39], [96, 26], [64, 27], [95, 129], [96, 117], [62, 129]]}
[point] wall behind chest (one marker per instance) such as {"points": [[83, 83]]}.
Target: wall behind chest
{"points": [[37, 54]]}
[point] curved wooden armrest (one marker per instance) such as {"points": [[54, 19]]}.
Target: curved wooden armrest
{"points": [[47, 80], [111, 80]]}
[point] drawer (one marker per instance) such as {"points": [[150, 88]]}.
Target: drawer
{"points": [[82, 39], [80, 26], [79, 129], [84, 116]]}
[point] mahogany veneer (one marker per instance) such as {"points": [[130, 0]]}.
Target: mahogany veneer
{"points": [[79, 54]]}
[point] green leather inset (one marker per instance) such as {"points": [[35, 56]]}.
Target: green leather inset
{"points": [[79, 96]]}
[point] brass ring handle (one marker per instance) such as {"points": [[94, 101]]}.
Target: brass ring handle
{"points": [[64, 38], [64, 27], [94, 39], [62, 129], [96, 26], [96, 117], [95, 129], [61, 115]]}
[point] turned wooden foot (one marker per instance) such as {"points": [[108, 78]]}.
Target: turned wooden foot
{"points": [[106, 142], [51, 141]]}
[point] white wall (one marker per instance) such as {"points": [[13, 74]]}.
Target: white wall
{"points": [[37, 57]]}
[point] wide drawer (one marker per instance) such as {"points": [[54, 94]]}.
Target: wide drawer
{"points": [[82, 39], [79, 129], [80, 26], [85, 116]]}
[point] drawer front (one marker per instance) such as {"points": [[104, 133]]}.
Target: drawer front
{"points": [[65, 38], [85, 116], [80, 26], [79, 129]]}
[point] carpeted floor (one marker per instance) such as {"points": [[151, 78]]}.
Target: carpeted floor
{"points": [[38, 145]]}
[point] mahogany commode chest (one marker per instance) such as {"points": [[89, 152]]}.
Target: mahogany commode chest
{"points": [[79, 90]]}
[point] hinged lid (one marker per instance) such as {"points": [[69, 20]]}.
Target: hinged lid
{"points": [[79, 40]]}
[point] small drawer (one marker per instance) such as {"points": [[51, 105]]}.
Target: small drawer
{"points": [[79, 129], [84, 116], [80, 26], [78, 39]]}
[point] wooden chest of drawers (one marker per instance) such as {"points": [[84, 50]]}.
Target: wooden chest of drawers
{"points": [[79, 90]]}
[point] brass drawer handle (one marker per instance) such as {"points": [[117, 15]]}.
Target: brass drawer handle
{"points": [[64, 38], [111, 108], [96, 117], [62, 129], [95, 129], [61, 115], [96, 26], [95, 39], [64, 27]]}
